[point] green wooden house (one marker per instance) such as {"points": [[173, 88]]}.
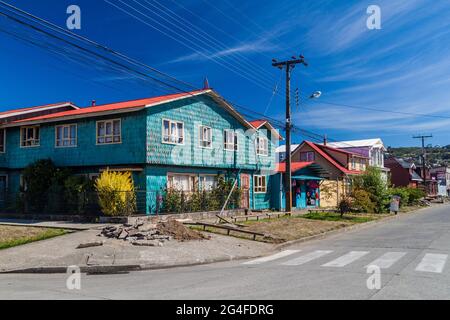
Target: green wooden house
{"points": [[183, 140]]}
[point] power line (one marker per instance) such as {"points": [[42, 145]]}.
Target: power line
{"points": [[127, 69]]}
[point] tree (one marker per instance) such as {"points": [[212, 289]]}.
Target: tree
{"points": [[372, 182]]}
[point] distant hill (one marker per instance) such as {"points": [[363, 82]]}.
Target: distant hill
{"points": [[435, 155]]}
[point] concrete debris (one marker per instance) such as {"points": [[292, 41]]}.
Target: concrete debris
{"points": [[90, 244], [150, 234]]}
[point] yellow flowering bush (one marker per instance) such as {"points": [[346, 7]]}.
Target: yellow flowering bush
{"points": [[116, 193]]}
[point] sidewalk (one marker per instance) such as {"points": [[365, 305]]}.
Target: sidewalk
{"points": [[51, 224], [55, 255]]}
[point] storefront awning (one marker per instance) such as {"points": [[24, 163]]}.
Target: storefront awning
{"points": [[302, 177]]}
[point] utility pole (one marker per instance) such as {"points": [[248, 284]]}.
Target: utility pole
{"points": [[424, 155], [288, 65]]}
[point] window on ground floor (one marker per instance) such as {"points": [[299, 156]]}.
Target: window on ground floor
{"points": [[208, 182], [182, 182], [260, 184]]}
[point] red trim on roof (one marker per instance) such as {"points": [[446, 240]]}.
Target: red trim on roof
{"points": [[114, 106], [281, 167], [330, 159], [39, 107], [258, 123]]}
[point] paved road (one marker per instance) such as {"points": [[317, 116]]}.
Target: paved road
{"points": [[411, 251]]}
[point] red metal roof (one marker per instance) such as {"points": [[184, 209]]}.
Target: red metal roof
{"points": [[330, 159], [281, 167], [341, 151], [258, 123], [115, 106]]}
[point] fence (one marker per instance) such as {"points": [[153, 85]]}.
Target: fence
{"points": [[137, 202]]}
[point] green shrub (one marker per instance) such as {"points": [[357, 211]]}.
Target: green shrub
{"points": [[401, 192], [372, 182], [415, 195], [176, 201], [362, 201]]}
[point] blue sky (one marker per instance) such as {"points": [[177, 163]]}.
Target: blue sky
{"points": [[404, 67]]}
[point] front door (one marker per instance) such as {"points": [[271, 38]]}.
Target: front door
{"points": [[245, 186]]}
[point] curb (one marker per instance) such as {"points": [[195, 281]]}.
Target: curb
{"points": [[346, 229], [112, 269]]}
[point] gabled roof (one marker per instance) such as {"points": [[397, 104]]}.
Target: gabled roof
{"points": [[257, 124], [24, 111], [130, 106], [329, 158], [118, 107], [376, 142]]}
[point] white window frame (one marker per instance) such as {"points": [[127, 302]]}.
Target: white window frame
{"points": [[230, 146], [262, 142], [205, 142], [260, 184], [112, 135], [172, 136], [308, 153], [4, 141], [203, 176], [193, 182], [68, 126], [22, 141]]}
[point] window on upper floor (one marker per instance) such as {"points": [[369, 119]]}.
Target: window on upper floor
{"points": [[307, 156], [259, 184], [66, 136], [173, 132], [2, 140], [109, 131], [262, 146], [30, 136], [230, 139], [205, 137], [353, 163]]}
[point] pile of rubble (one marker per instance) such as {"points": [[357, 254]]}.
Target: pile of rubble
{"points": [[148, 234]]}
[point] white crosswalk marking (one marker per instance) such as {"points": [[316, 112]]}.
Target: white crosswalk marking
{"points": [[276, 256], [346, 259], [432, 262], [307, 258], [387, 260]]}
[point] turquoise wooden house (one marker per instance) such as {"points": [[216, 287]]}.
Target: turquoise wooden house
{"points": [[181, 140]]}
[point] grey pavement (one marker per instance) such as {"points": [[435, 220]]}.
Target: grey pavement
{"points": [[51, 224], [60, 252], [412, 251]]}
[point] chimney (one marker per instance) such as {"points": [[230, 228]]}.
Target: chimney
{"points": [[206, 83], [93, 103], [325, 140]]}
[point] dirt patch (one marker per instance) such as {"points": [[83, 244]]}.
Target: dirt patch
{"points": [[287, 229], [178, 231]]}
